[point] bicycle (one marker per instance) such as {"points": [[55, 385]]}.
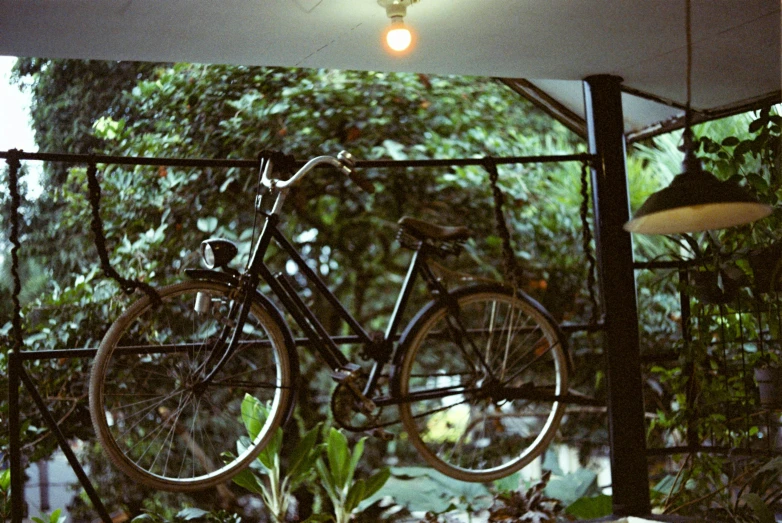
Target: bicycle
{"points": [[478, 375]]}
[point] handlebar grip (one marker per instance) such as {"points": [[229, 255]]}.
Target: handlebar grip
{"points": [[362, 182], [347, 161]]}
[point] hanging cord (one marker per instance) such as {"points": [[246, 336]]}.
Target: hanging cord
{"points": [[513, 274], [586, 243], [127, 286], [16, 201]]}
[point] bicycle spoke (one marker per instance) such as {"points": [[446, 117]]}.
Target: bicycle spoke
{"points": [[163, 424], [465, 410]]}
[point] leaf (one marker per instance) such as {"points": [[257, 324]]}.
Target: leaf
{"points": [[669, 485], [5, 479], [508, 483], [355, 495], [269, 456], [246, 479], [358, 450], [327, 479], [572, 486], [303, 457], [759, 507], [337, 452], [208, 225], [376, 482], [591, 507], [251, 415], [191, 513], [756, 125], [730, 141]]}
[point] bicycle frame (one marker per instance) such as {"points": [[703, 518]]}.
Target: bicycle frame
{"points": [[322, 341], [281, 286]]}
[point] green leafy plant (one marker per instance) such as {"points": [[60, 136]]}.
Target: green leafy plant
{"points": [[54, 517], [266, 476], [532, 506], [337, 474], [5, 494]]}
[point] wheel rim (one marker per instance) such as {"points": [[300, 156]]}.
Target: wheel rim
{"points": [[157, 417], [475, 430]]}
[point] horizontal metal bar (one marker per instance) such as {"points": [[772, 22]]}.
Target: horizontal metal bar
{"points": [[217, 163], [706, 449], [90, 352], [667, 264]]}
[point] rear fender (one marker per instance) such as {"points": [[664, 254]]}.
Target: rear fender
{"points": [[432, 307]]}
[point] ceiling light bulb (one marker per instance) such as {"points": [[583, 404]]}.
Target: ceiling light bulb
{"points": [[398, 36]]}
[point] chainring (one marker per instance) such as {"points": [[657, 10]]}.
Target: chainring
{"points": [[347, 414]]}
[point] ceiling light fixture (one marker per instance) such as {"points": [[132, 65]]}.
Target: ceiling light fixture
{"points": [[398, 37], [695, 200]]}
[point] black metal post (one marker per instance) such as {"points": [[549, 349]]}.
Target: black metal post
{"points": [[629, 468], [14, 443], [100, 508]]}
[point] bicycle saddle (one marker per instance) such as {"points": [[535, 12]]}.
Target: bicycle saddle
{"points": [[429, 231]]}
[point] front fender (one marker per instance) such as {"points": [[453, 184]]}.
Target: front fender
{"points": [[212, 275], [271, 309]]}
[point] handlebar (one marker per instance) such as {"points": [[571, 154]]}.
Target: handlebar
{"points": [[344, 162]]}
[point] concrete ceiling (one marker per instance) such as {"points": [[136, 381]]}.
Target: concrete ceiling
{"points": [[552, 44]]}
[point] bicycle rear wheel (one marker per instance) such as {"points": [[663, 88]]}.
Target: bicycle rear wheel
{"points": [[157, 418], [480, 384]]}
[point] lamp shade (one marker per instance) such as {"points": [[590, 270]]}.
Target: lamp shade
{"points": [[696, 201]]}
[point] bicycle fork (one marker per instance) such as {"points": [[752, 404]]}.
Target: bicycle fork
{"points": [[223, 348]]}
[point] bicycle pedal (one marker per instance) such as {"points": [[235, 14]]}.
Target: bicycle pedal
{"points": [[349, 371]]}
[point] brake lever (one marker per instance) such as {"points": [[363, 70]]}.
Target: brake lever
{"points": [[348, 164]]}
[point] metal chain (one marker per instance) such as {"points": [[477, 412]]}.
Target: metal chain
{"points": [[16, 201], [127, 285], [586, 243], [513, 274]]}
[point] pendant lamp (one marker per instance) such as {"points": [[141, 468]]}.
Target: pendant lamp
{"points": [[695, 200]]}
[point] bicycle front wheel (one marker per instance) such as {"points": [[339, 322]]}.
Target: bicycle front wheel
{"points": [[479, 380], [158, 418]]}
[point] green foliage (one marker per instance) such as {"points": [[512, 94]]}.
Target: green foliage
{"points": [[710, 487], [337, 474], [591, 507], [54, 517], [276, 484], [5, 494], [265, 477], [421, 489], [707, 395], [533, 505]]}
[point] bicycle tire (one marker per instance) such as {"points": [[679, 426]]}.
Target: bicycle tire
{"points": [[155, 420], [463, 425]]}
